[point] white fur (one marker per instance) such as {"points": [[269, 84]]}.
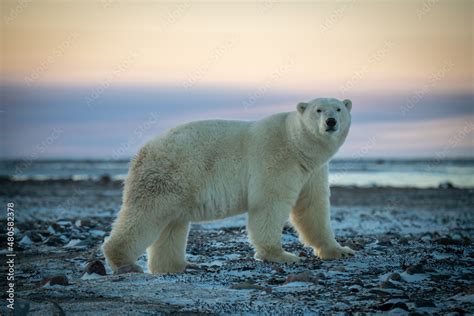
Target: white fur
{"points": [[207, 170]]}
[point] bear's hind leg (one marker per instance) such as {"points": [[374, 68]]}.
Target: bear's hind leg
{"points": [[168, 253], [131, 234]]}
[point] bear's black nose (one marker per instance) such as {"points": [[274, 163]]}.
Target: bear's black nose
{"points": [[331, 122]]}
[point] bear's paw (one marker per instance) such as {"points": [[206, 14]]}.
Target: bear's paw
{"points": [[335, 252], [282, 257]]}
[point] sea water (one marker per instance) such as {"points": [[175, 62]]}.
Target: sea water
{"points": [[420, 173]]}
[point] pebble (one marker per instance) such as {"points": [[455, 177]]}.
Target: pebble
{"points": [[446, 185], [414, 269], [340, 269], [97, 233], [424, 303], [384, 241], [54, 241], [83, 223], [358, 281], [278, 269], [449, 241], [105, 179], [404, 241], [276, 281], [440, 277], [390, 306], [395, 277], [25, 241], [302, 277], [96, 267], [56, 280], [388, 285]]}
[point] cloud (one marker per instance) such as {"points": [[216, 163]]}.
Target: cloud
{"points": [[98, 130]]}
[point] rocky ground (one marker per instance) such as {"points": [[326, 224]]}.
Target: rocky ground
{"points": [[415, 255]]}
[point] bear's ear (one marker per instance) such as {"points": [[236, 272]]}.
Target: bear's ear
{"points": [[348, 104], [301, 107]]}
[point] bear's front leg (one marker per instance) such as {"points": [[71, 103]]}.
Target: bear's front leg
{"points": [[265, 226], [311, 218]]}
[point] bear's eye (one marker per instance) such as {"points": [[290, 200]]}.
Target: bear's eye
{"points": [[318, 110], [339, 110]]}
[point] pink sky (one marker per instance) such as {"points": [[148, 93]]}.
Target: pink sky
{"points": [[407, 66]]}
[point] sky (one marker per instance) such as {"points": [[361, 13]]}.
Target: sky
{"points": [[97, 79]]}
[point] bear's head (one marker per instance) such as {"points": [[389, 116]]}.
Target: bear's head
{"points": [[326, 118]]}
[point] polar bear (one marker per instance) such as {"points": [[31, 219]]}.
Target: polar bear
{"points": [[274, 169]]}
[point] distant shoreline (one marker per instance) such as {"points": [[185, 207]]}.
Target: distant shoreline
{"points": [[342, 159]]}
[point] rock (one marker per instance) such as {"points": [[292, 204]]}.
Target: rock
{"points": [[34, 236], [54, 241], [356, 245], [460, 311], [83, 223], [446, 185], [395, 277], [276, 281], [414, 269], [302, 277], [278, 269], [340, 269], [56, 280], [424, 303], [96, 267], [389, 306], [404, 240], [380, 292], [358, 282], [440, 277], [97, 233], [57, 227], [447, 241], [388, 285], [25, 241], [105, 179], [384, 241]]}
